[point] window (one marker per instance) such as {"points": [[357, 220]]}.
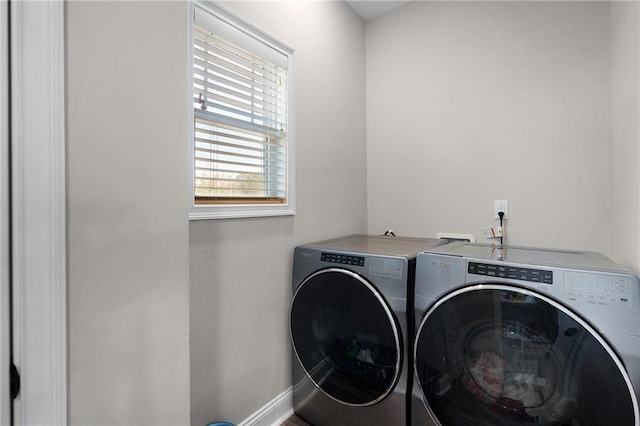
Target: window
{"points": [[242, 152]]}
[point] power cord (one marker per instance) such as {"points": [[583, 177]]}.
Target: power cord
{"points": [[501, 216]]}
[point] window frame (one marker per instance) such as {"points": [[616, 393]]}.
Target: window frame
{"points": [[262, 208]]}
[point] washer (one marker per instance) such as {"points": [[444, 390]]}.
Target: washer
{"points": [[521, 336], [349, 322]]}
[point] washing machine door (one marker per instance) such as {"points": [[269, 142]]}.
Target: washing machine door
{"points": [[345, 337], [495, 355]]}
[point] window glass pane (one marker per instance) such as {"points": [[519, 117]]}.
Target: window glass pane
{"points": [[346, 339], [502, 357], [237, 163], [240, 151]]}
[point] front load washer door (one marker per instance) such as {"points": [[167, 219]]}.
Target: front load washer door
{"points": [[345, 337], [496, 355]]}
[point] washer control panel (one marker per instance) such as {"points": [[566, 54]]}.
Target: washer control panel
{"points": [[598, 289], [344, 259], [511, 272], [386, 268]]}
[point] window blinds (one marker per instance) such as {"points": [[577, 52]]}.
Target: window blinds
{"points": [[239, 102]]}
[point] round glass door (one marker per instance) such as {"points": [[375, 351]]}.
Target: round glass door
{"points": [[345, 337], [501, 355]]}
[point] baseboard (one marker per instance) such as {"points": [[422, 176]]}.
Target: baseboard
{"points": [[274, 413]]}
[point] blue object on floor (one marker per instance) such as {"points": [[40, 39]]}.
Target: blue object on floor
{"points": [[221, 424]]}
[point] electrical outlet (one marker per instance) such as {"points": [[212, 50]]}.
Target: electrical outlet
{"points": [[501, 206]]}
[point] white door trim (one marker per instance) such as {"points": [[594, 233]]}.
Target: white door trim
{"points": [[5, 233], [39, 210]]}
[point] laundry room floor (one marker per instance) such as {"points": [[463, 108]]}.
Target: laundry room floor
{"points": [[295, 421]]}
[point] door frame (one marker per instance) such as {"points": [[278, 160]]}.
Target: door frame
{"points": [[38, 210], [5, 223]]}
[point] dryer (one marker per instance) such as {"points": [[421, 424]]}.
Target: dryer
{"points": [[350, 326], [521, 336]]}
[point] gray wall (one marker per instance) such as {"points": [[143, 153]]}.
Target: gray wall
{"points": [[471, 102], [241, 269], [128, 272], [625, 49], [131, 247]]}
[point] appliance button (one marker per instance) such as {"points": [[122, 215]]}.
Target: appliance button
{"points": [[492, 270], [523, 274], [535, 276]]}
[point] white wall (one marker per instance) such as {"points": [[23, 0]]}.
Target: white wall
{"points": [[240, 270], [471, 102], [625, 52], [127, 214]]}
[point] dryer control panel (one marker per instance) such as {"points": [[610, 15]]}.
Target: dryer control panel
{"points": [[598, 289], [511, 272], [344, 259]]}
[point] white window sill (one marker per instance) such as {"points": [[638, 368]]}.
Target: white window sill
{"points": [[204, 212]]}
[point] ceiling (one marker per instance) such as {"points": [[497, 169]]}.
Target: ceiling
{"points": [[368, 9]]}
